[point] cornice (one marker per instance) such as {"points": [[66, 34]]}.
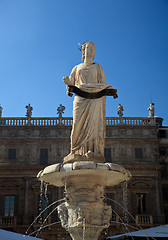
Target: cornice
{"points": [[148, 168], [34, 168], [20, 170]]}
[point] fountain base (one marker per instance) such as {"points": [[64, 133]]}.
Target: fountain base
{"points": [[84, 220], [84, 214]]}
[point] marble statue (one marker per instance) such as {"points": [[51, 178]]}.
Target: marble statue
{"points": [[60, 110], [89, 119], [120, 110], [29, 110], [151, 110]]}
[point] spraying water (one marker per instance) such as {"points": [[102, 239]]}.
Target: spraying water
{"points": [[126, 224], [45, 220], [41, 202], [125, 202], [84, 226], [60, 200], [45, 193]]}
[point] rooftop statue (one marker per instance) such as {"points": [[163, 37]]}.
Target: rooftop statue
{"points": [[89, 119], [151, 110], [1, 111], [120, 110], [29, 110], [60, 110]]}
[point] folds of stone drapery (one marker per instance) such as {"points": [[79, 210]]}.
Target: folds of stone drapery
{"points": [[88, 131]]}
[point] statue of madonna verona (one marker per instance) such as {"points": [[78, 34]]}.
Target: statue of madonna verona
{"points": [[89, 119]]}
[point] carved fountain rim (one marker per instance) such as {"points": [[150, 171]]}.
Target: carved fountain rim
{"points": [[57, 173]]}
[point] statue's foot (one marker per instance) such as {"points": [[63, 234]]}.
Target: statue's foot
{"points": [[98, 157], [89, 154], [73, 157], [69, 155]]}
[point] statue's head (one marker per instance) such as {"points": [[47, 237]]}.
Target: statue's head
{"points": [[87, 49]]}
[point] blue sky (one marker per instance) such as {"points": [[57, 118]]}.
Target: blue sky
{"points": [[39, 45]]}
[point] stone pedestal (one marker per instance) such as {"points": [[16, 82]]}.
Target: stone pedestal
{"points": [[84, 214], [91, 157]]}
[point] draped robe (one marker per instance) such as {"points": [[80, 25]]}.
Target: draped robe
{"points": [[89, 119]]}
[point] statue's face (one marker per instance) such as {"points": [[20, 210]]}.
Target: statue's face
{"points": [[89, 50]]}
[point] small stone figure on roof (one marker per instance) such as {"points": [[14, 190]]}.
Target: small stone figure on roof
{"points": [[151, 110], [120, 110], [29, 110], [60, 110], [1, 111]]}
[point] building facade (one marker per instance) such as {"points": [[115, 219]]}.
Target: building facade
{"points": [[29, 144]]}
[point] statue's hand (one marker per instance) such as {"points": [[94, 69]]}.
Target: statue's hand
{"points": [[66, 80]]}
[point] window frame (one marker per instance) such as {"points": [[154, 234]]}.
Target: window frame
{"points": [[9, 206], [107, 154], [43, 156], [11, 153], [138, 152], [141, 203]]}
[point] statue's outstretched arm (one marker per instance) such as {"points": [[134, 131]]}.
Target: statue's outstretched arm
{"points": [[71, 79]]}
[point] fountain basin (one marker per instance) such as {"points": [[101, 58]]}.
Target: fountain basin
{"points": [[57, 174]]}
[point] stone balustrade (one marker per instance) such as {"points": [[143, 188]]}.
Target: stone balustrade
{"points": [[134, 121], [144, 219], [53, 121], [67, 121], [7, 221]]}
